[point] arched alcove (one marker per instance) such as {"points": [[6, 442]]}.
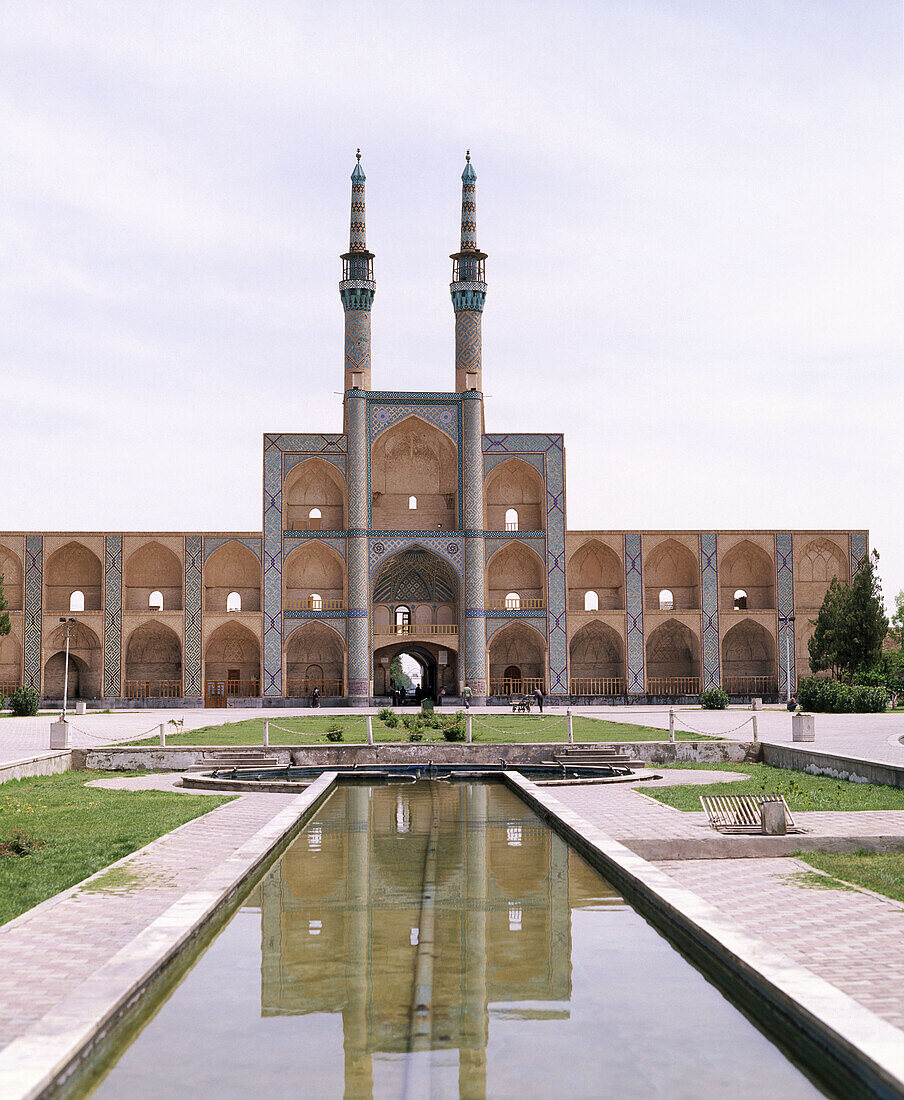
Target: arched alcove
{"points": [[596, 568], [517, 660], [232, 568], [819, 561], [671, 565], [424, 585], [85, 663], [11, 571], [153, 663], [10, 664], [514, 485], [748, 659], [413, 460], [748, 568], [153, 568], [314, 569], [73, 568], [232, 656], [516, 569], [673, 660], [314, 659], [596, 661], [314, 486]]}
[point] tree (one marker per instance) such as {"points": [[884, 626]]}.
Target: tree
{"points": [[896, 629], [851, 624], [5, 624], [398, 675]]}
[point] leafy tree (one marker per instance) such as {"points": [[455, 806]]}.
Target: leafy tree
{"points": [[896, 629], [851, 624], [5, 625], [398, 675]]}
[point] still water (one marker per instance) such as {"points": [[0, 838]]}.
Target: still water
{"points": [[438, 939]]}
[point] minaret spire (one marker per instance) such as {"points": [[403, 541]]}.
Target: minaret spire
{"points": [[357, 289], [469, 289]]}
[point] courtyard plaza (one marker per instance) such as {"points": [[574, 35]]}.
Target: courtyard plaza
{"points": [[50, 982]]}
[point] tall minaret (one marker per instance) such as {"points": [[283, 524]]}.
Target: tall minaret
{"points": [[468, 288], [357, 289]]}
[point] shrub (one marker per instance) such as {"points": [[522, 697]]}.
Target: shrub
{"points": [[714, 699], [19, 844], [407, 720], [416, 734], [3, 702], [826, 696], [383, 713], [334, 732], [391, 720], [454, 730], [24, 702]]}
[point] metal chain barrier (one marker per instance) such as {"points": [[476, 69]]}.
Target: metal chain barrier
{"points": [[713, 733], [540, 729], [105, 737]]}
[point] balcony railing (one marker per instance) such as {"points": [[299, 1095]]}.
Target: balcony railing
{"points": [[605, 685], [516, 605], [312, 603], [674, 685], [152, 689], [7, 687], [416, 628], [522, 686], [750, 685], [233, 689], [300, 689]]}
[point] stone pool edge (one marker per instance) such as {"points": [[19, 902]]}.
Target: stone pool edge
{"points": [[869, 1048], [54, 1047]]}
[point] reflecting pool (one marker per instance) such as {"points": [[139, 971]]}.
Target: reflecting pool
{"points": [[437, 939]]}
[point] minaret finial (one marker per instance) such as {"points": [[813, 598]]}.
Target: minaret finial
{"points": [[469, 288], [358, 154], [468, 155], [357, 289]]}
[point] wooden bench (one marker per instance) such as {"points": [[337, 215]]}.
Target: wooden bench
{"points": [[740, 813]]}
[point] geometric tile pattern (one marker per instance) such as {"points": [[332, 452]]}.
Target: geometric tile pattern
{"points": [[290, 461], [383, 415], [467, 341], [491, 461], [272, 560], [357, 340], [859, 550], [784, 583], [358, 626], [214, 542], [634, 615], [384, 546], [34, 581], [473, 610], [112, 616], [334, 539], [709, 577], [191, 654], [494, 624]]}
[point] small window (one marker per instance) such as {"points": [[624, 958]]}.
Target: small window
{"points": [[412, 504], [233, 602], [514, 917], [591, 601], [316, 602], [402, 619], [155, 601], [511, 519], [666, 601], [315, 519], [512, 601], [740, 600], [77, 601]]}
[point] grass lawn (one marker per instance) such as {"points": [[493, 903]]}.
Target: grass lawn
{"points": [[882, 872], [487, 728], [80, 830], [801, 791]]}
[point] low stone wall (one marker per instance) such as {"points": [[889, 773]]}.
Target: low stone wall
{"points": [[45, 763], [798, 758], [177, 758]]}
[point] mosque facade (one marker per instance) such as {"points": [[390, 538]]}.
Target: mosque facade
{"points": [[415, 531]]}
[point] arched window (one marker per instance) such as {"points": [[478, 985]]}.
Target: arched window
{"points": [[740, 600], [315, 518], [412, 504], [402, 619], [77, 601], [591, 601], [511, 519], [155, 601], [666, 600], [512, 601], [316, 602], [233, 602]]}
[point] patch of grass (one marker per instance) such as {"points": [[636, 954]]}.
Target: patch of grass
{"points": [[80, 830], [812, 880], [801, 791], [487, 728], [882, 872]]}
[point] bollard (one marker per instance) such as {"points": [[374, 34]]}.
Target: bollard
{"points": [[772, 818], [162, 728], [753, 723], [59, 734], [370, 729], [468, 724], [671, 723], [570, 726], [266, 735]]}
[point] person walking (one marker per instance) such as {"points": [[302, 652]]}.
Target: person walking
{"points": [[315, 697], [441, 696], [538, 695], [466, 692]]}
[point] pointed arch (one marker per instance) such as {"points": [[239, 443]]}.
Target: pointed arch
{"points": [[596, 568], [414, 459], [313, 568], [673, 660], [748, 568], [73, 568], [819, 561], [10, 663], [153, 662], [670, 565], [11, 571], [516, 484], [152, 568], [232, 567], [232, 648], [597, 660], [518, 646], [314, 485], [85, 663], [748, 659], [315, 658], [516, 568]]}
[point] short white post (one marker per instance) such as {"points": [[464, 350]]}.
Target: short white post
{"points": [[266, 734], [671, 723], [468, 726], [753, 723], [370, 729], [570, 726], [162, 735]]}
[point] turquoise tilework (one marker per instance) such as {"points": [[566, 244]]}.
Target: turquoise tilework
{"points": [[214, 542], [634, 615], [112, 616], [34, 589], [709, 578], [859, 551], [784, 578], [191, 658]]}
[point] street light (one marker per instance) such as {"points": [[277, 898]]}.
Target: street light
{"points": [[786, 622], [68, 623]]}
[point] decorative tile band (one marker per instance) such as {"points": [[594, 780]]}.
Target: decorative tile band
{"points": [[634, 615], [709, 578], [273, 557], [191, 658], [214, 542], [859, 551], [112, 616], [784, 577], [557, 628], [34, 554]]}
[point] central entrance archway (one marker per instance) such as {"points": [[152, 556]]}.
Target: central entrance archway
{"points": [[431, 675]]}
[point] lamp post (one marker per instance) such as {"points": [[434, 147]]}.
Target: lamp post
{"points": [[68, 623], [786, 622]]}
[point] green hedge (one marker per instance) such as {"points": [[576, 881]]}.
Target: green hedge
{"points": [[836, 697], [714, 699]]}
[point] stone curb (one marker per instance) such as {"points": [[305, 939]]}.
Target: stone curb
{"points": [[817, 1016], [51, 1048]]}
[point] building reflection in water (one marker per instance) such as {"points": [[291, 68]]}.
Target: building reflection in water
{"points": [[418, 912]]}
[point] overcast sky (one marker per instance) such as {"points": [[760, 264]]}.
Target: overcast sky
{"points": [[693, 213]]}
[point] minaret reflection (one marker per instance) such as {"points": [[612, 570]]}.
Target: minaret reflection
{"points": [[341, 914]]}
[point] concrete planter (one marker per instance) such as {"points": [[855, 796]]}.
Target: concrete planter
{"points": [[803, 727], [59, 735]]}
